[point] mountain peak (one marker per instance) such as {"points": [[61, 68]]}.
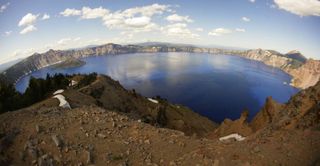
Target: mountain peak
{"points": [[295, 54]]}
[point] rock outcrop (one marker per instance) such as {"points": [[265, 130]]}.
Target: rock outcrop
{"points": [[266, 115], [304, 73], [227, 127]]}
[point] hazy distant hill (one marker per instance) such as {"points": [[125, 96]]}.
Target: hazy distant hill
{"points": [[6, 65]]}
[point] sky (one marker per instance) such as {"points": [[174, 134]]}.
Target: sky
{"points": [[31, 26]]}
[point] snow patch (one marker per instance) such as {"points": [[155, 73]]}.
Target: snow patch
{"points": [[153, 101], [62, 100], [73, 83], [236, 136], [58, 92]]}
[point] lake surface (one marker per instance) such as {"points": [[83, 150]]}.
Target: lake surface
{"points": [[216, 86]]}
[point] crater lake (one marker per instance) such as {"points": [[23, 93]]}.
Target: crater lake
{"points": [[215, 86]]}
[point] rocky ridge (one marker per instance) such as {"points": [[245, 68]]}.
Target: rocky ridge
{"points": [[293, 63], [101, 129]]}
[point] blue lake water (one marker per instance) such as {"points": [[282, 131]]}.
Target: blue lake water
{"points": [[216, 86]]}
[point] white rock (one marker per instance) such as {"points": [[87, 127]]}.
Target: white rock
{"points": [[236, 136]]}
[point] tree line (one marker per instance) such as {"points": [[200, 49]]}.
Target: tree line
{"points": [[38, 89]]}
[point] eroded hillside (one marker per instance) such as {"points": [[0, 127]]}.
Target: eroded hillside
{"points": [[108, 125]]}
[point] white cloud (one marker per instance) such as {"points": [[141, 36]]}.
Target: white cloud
{"points": [[219, 32], [28, 29], [45, 17], [7, 33], [246, 19], [28, 19], [300, 7], [178, 18], [148, 11], [4, 7], [240, 30], [76, 39], [88, 13], [252, 1], [18, 53], [71, 12], [199, 29], [138, 21], [64, 41], [179, 30]]}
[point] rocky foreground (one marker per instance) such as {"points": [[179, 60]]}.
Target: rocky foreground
{"points": [[305, 72], [108, 125]]}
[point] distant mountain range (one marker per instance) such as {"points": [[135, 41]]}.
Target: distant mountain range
{"points": [[305, 72]]}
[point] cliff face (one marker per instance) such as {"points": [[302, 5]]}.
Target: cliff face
{"points": [[269, 58], [304, 74]]}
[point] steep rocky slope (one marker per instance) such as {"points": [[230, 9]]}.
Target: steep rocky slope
{"points": [[45, 134], [109, 94], [304, 74]]}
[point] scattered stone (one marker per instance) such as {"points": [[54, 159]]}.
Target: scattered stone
{"points": [[101, 135], [128, 152], [91, 147], [216, 162], [256, 149], [147, 142], [89, 157], [66, 150], [45, 160], [181, 144], [172, 163], [38, 129], [33, 152], [114, 124], [56, 140]]}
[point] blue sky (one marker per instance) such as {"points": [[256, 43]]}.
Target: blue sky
{"points": [[38, 25]]}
